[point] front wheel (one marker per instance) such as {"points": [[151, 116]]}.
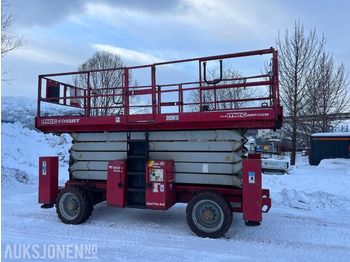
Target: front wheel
{"points": [[209, 214], [74, 205]]}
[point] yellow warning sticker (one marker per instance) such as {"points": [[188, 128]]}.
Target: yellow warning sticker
{"points": [[228, 158], [80, 156], [151, 163]]}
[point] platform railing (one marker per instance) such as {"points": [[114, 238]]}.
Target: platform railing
{"points": [[126, 98]]}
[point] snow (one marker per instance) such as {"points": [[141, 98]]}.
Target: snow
{"points": [[24, 109], [332, 134], [21, 148], [309, 219], [324, 187]]}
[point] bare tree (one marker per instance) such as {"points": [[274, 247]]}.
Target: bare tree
{"points": [[106, 85], [298, 60], [10, 40], [223, 95], [328, 95]]}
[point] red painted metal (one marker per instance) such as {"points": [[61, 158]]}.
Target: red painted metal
{"points": [[252, 191], [48, 179], [116, 183], [255, 156], [92, 184], [252, 118], [160, 189], [156, 114], [252, 201]]}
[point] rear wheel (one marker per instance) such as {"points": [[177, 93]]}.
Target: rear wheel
{"points": [[209, 214], [74, 205]]}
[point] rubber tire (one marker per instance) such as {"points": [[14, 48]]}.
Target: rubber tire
{"points": [[217, 203], [81, 197]]}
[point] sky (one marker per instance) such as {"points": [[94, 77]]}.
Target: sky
{"points": [[61, 35]]}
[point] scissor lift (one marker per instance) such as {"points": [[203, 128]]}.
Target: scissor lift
{"points": [[192, 124]]}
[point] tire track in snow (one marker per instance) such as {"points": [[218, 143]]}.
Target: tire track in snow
{"points": [[290, 231], [41, 216]]}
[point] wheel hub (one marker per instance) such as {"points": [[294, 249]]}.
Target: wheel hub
{"points": [[72, 205], [69, 206], [208, 215]]}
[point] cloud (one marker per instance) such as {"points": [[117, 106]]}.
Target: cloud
{"points": [[45, 46], [42, 12], [221, 20], [45, 56], [188, 22], [153, 6], [131, 56], [192, 24], [185, 24], [49, 13]]}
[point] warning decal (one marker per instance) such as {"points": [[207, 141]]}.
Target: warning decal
{"points": [[251, 177]]}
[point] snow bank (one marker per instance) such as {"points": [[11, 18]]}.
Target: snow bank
{"points": [[24, 110], [325, 186], [21, 148], [331, 134]]}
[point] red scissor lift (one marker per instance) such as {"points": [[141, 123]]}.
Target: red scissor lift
{"points": [[154, 108]]}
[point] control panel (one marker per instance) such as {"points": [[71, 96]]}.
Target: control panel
{"points": [[156, 175], [160, 184]]}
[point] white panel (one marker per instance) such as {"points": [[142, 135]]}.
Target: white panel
{"points": [[197, 135], [208, 179], [272, 164], [100, 146], [89, 165], [205, 168], [211, 157], [205, 146], [214, 168], [100, 156], [95, 175], [105, 136]]}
